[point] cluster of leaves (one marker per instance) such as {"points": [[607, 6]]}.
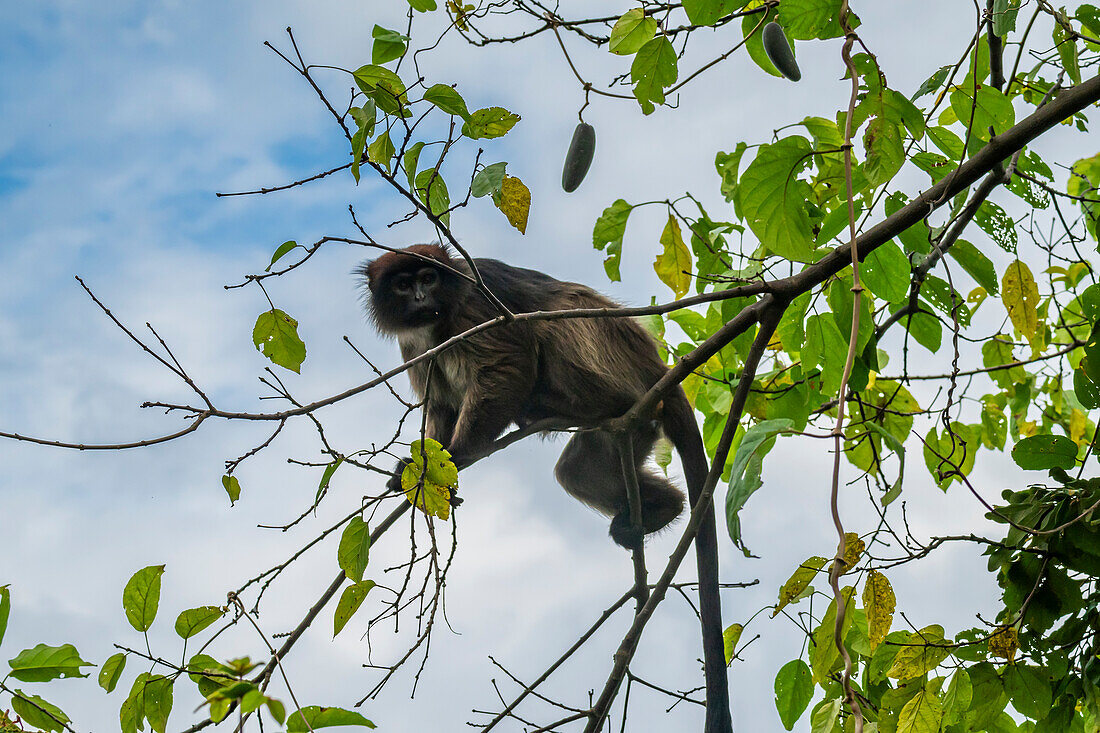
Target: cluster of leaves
{"points": [[791, 206], [223, 685]]}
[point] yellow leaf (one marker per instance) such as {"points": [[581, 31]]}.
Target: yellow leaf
{"points": [[922, 653], [673, 265], [429, 479], [730, 637], [1078, 423], [515, 202], [878, 602], [1004, 643], [1021, 298], [853, 548], [798, 581]]}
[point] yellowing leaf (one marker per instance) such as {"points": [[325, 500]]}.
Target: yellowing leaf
{"points": [[350, 601], [1021, 299], [730, 637], [925, 650], [798, 581], [853, 549], [878, 602], [515, 202], [1004, 643], [673, 265], [429, 479]]}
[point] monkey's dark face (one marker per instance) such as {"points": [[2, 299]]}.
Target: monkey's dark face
{"points": [[409, 299]]}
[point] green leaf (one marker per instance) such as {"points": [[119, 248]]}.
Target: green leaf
{"points": [[5, 609], [745, 474], [314, 716], [947, 141], [673, 265], [632, 31], [1067, 52], [358, 144], [932, 83], [448, 100], [44, 663], [925, 328], [157, 702], [882, 140], [956, 700], [608, 234], [824, 655], [708, 12], [994, 221], [824, 716], [141, 597], [976, 264], [432, 190], [111, 671], [276, 335], [282, 250], [1086, 390], [381, 151], [805, 20], [384, 87], [193, 620], [388, 45], [278, 712], [654, 68], [921, 714], [886, 272], [232, 487], [1043, 452], [793, 691], [422, 6], [409, 162], [841, 300], [488, 180], [37, 712], [773, 199], [1029, 689], [354, 550], [991, 108], [489, 123], [1003, 16], [132, 713], [350, 601]]}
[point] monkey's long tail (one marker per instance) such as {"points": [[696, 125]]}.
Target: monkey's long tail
{"points": [[683, 431]]}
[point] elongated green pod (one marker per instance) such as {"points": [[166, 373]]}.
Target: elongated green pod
{"points": [[779, 51], [579, 157]]}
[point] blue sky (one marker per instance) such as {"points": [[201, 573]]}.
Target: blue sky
{"points": [[119, 121]]}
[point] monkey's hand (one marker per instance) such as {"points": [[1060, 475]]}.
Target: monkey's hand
{"points": [[394, 482]]}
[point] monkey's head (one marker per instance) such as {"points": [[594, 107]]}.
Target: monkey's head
{"points": [[413, 288]]}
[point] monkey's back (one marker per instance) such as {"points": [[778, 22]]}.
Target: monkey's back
{"points": [[590, 368]]}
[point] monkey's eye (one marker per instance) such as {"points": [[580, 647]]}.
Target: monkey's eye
{"points": [[429, 277], [402, 285]]}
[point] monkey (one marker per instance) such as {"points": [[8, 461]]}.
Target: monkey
{"points": [[581, 370]]}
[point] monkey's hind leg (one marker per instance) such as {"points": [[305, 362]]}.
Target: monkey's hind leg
{"points": [[590, 470]]}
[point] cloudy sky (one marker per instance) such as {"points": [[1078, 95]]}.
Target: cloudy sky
{"points": [[119, 122]]}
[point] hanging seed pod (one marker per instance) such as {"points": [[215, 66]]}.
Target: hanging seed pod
{"points": [[779, 51], [579, 157]]}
